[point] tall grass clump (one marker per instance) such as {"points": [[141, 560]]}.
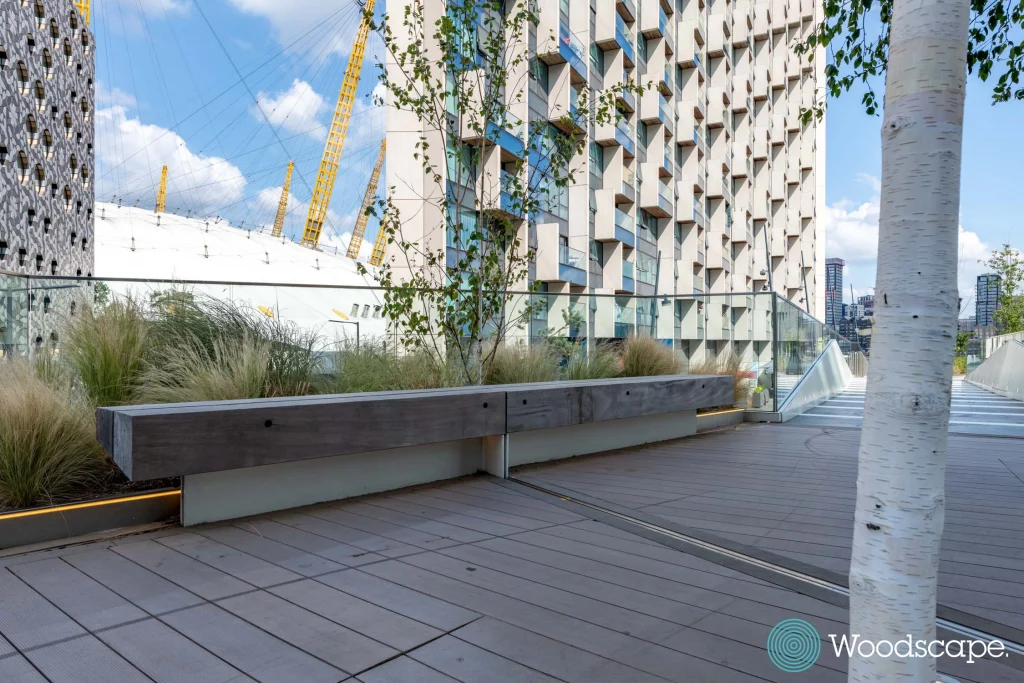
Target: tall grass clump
{"points": [[597, 362], [521, 363], [421, 369], [294, 355], [188, 371], [732, 365], [107, 348], [644, 356], [960, 365], [368, 367], [48, 448]]}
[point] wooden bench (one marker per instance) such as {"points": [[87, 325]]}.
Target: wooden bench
{"points": [[246, 457]]}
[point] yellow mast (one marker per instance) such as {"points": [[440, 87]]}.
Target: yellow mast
{"points": [[328, 172], [283, 204], [377, 257], [161, 194], [83, 8], [371, 192]]}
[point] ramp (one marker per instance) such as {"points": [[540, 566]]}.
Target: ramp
{"points": [[828, 375]]}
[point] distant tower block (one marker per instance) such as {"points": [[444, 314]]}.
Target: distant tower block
{"points": [[282, 205], [371, 191], [161, 194]]}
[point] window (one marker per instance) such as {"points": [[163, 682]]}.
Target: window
{"points": [[539, 71], [22, 256], [40, 95], [54, 31], [366, 310], [30, 41], [67, 198], [53, 267], [376, 311], [3, 250], [46, 225], [39, 262], [596, 160], [641, 47], [68, 53], [47, 63], [40, 179], [85, 243], [32, 130], [3, 155], [22, 167], [31, 215], [74, 240], [641, 129], [22, 78], [3, 58], [596, 58], [355, 311], [73, 162], [40, 13], [73, 21], [67, 125]]}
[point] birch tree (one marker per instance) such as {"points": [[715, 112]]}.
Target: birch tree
{"points": [[925, 48]]}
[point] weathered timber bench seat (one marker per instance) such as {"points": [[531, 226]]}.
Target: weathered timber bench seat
{"points": [[245, 457]]}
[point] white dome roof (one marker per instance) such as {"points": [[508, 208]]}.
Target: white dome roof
{"points": [[130, 244]]}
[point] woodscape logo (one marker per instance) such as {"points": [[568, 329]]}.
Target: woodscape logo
{"points": [[794, 645]]}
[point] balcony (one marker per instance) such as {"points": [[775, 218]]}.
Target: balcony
{"points": [[626, 40], [624, 227], [667, 168], [572, 50], [626, 99], [698, 288], [698, 212], [698, 258], [628, 7], [563, 111], [665, 25], [507, 205], [666, 199], [625, 134], [572, 265], [504, 129], [628, 284], [627, 191], [666, 115], [665, 82]]}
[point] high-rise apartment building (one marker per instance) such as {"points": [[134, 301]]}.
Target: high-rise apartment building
{"points": [[867, 302], [834, 291], [986, 299], [711, 183], [46, 138]]}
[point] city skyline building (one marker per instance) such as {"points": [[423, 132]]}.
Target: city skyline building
{"points": [[834, 291], [986, 299], [712, 184]]}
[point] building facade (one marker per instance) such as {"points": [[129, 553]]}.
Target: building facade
{"points": [[986, 299], [46, 138], [711, 185], [867, 302], [834, 291]]}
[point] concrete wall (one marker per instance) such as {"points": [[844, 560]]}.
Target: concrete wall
{"points": [[1003, 371]]}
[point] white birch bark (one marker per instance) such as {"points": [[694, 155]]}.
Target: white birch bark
{"points": [[902, 460]]}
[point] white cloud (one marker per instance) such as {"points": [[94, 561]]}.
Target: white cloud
{"points": [[296, 109], [111, 97], [290, 20], [130, 154], [851, 233]]}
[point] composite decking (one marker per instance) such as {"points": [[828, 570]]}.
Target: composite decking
{"points": [[790, 490], [466, 581]]}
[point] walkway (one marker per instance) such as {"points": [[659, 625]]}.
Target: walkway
{"points": [[468, 581], [973, 411], [479, 581]]}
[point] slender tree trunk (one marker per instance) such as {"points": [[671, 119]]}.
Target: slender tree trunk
{"points": [[902, 460]]}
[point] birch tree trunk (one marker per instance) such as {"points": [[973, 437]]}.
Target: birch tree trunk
{"points": [[902, 459]]}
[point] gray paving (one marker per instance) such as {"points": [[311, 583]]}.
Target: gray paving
{"points": [[791, 490], [464, 581], [972, 411]]}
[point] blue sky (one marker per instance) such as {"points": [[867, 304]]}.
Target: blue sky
{"points": [[169, 93]]}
